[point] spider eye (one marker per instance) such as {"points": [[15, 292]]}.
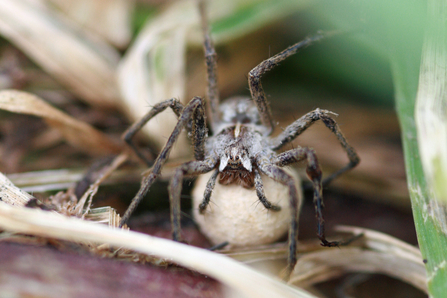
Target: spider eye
{"points": [[237, 157]]}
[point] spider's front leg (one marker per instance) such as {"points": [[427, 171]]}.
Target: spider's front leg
{"points": [[175, 188], [300, 125], [211, 68], [208, 190], [193, 114], [254, 78], [259, 186]]}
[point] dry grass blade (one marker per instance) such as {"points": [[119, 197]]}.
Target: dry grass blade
{"points": [[110, 19], [49, 180], [380, 254], [80, 61], [12, 195], [76, 133], [104, 215], [232, 273], [100, 238]]}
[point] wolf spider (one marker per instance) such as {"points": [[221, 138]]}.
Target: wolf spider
{"points": [[241, 147]]}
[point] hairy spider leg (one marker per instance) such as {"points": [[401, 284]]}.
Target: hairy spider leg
{"points": [[213, 111], [276, 173], [193, 110], [198, 131], [128, 135], [313, 171], [254, 78], [300, 125], [175, 187]]}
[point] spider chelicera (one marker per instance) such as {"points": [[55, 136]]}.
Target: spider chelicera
{"points": [[240, 147]]}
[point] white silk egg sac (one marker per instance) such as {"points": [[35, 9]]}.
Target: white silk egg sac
{"points": [[236, 215]]}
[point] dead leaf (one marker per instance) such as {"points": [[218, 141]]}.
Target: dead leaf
{"points": [[374, 252], [77, 133]]}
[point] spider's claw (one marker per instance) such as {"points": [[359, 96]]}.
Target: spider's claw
{"points": [[286, 273], [176, 237], [326, 243], [202, 208], [275, 208], [218, 246]]}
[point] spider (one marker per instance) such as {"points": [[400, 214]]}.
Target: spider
{"points": [[240, 147]]}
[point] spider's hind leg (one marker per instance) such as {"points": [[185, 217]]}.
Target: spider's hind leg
{"points": [[276, 173], [128, 135], [193, 110], [313, 171]]}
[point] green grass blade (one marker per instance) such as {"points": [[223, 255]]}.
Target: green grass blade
{"points": [[428, 212]]}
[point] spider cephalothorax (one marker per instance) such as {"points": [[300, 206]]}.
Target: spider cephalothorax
{"points": [[238, 142], [240, 148]]}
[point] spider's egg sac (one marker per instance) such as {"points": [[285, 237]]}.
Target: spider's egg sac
{"points": [[236, 215]]}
